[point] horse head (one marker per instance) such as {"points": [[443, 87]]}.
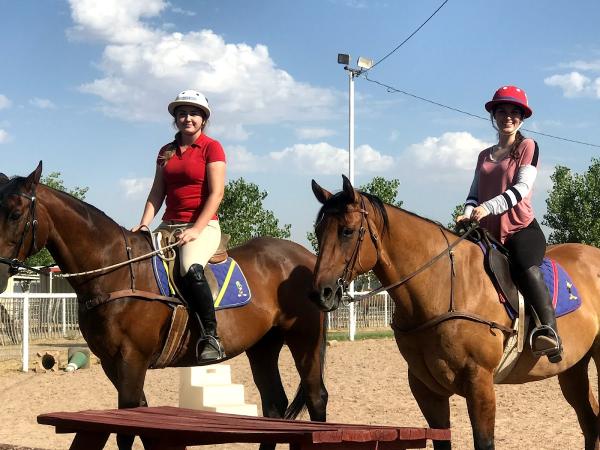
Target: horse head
{"points": [[342, 224], [18, 222]]}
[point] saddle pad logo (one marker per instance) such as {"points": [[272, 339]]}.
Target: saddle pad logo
{"points": [[233, 287]]}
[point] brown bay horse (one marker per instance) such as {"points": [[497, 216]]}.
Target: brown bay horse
{"points": [[127, 334], [357, 232]]}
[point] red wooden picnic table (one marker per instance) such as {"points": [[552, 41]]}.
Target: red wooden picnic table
{"points": [[171, 428]]}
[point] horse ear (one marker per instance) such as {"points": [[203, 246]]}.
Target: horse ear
{"points": [[3, 178], [34, 177], [349, 190], [322, 194]]}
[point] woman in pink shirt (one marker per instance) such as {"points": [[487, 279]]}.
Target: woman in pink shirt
{"points": [[190, 179], [500, 200]]}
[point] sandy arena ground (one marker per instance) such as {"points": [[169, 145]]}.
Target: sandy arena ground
{"points": [[367, 383]]}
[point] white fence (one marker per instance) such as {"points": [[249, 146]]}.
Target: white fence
{"points": [[25, 317], [375, 312]]}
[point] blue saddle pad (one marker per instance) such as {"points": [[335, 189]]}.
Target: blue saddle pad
{"points": [[565, 297], [234, 290]]}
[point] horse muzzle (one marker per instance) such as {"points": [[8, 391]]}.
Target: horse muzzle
{"points": [[327, 298]]}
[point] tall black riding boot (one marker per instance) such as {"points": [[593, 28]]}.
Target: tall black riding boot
{"points": [[544, 339], [201, 302]]}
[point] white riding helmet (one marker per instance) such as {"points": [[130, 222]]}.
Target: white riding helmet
{"points": [[192, 98]]}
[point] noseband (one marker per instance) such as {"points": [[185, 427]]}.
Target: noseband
{"points": [[345, 279], [14, 263]]}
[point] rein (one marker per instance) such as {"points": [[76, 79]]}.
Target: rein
{"points": [[448, 315], [425, 266]]}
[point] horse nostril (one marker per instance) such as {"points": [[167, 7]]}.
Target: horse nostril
{"points": [[327, 292]]}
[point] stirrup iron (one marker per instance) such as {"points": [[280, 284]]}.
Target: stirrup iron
{"points": [[547, 340]]}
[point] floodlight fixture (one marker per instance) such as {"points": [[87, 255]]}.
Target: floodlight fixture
{"points": [[364, 63], [343, 58]]}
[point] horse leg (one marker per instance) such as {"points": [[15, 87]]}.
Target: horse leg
{"points": [[435, 407], [575, 386], [309, 360], [263, 357], [481, 404], [128, 378]]}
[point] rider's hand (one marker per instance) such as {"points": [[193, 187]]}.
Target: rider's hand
{"points": [[479, 213], [137, 227], [462, 218], [188, 235]]}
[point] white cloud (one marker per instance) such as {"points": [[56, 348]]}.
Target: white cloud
{"points": [[4, 102], [136, 187], [185, 12], [235, 132], [114, 21], [42, 103], [583, 65], [450, 151], [325, 159], [240, 160], [143, 67], [4, 137], [575, 84], [313, 133]]}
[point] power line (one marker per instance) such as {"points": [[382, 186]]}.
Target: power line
{"points": [[392, 89], [411, 35]]}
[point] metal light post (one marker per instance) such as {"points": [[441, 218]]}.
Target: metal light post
{"points": [[363, 64]]}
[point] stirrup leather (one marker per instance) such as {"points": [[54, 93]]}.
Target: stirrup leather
{"points": [[550, 342]]}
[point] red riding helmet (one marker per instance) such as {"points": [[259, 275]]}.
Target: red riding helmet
{"points": [[510, 94]]}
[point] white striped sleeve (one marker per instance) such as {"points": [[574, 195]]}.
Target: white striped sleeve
{"points": [[473, 197], [526, 176]]}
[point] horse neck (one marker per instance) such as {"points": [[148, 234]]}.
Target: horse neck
{"points": [[76, 231], [410, 243]]}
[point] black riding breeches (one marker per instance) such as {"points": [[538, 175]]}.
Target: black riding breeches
{"points": [[526, 247]]}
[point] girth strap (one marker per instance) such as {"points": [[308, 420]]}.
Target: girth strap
{"points": [[454, 315], [144, 295]]}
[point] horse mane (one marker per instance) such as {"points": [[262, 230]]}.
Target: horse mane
{"points": [[338, 202], [81, 206], [431, 221]]}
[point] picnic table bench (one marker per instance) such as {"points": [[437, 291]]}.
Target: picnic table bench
{"points": [[171, 428]]}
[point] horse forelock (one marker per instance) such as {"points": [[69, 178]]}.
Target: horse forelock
{"points": [[340, 202]]}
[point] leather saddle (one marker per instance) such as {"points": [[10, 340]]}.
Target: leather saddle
{"points": [[219, 256], [497, 266]]}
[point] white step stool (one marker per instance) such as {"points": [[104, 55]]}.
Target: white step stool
{"points": [[209, 388]]}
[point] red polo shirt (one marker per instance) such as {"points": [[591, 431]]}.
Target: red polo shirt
{"points": [[185, 178]]}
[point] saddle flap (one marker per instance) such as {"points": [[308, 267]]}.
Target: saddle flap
{"points": [[221, 253], [499, 271]]}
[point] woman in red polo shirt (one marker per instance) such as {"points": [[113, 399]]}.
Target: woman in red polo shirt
{"points": [[190, 178], [500, 199]]}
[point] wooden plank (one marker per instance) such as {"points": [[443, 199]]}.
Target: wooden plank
{"points": [[193, 427]]}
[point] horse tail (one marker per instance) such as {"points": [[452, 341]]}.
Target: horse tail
{"points": [[298, 404]]}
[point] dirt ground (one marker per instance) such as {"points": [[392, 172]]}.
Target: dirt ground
{"points": [[366, 380]]}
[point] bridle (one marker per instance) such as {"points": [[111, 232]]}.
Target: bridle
{"points": [[14, 263], [343, 282]]}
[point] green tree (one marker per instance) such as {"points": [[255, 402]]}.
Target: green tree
{"points": [[54, 180], [573, 206], [458, 210], [243, 216]]}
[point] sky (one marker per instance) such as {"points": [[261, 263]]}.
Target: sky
{"points": [[85, 84]]}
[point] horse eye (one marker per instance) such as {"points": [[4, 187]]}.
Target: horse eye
{"points": [[347, 232], [14, 215]]}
